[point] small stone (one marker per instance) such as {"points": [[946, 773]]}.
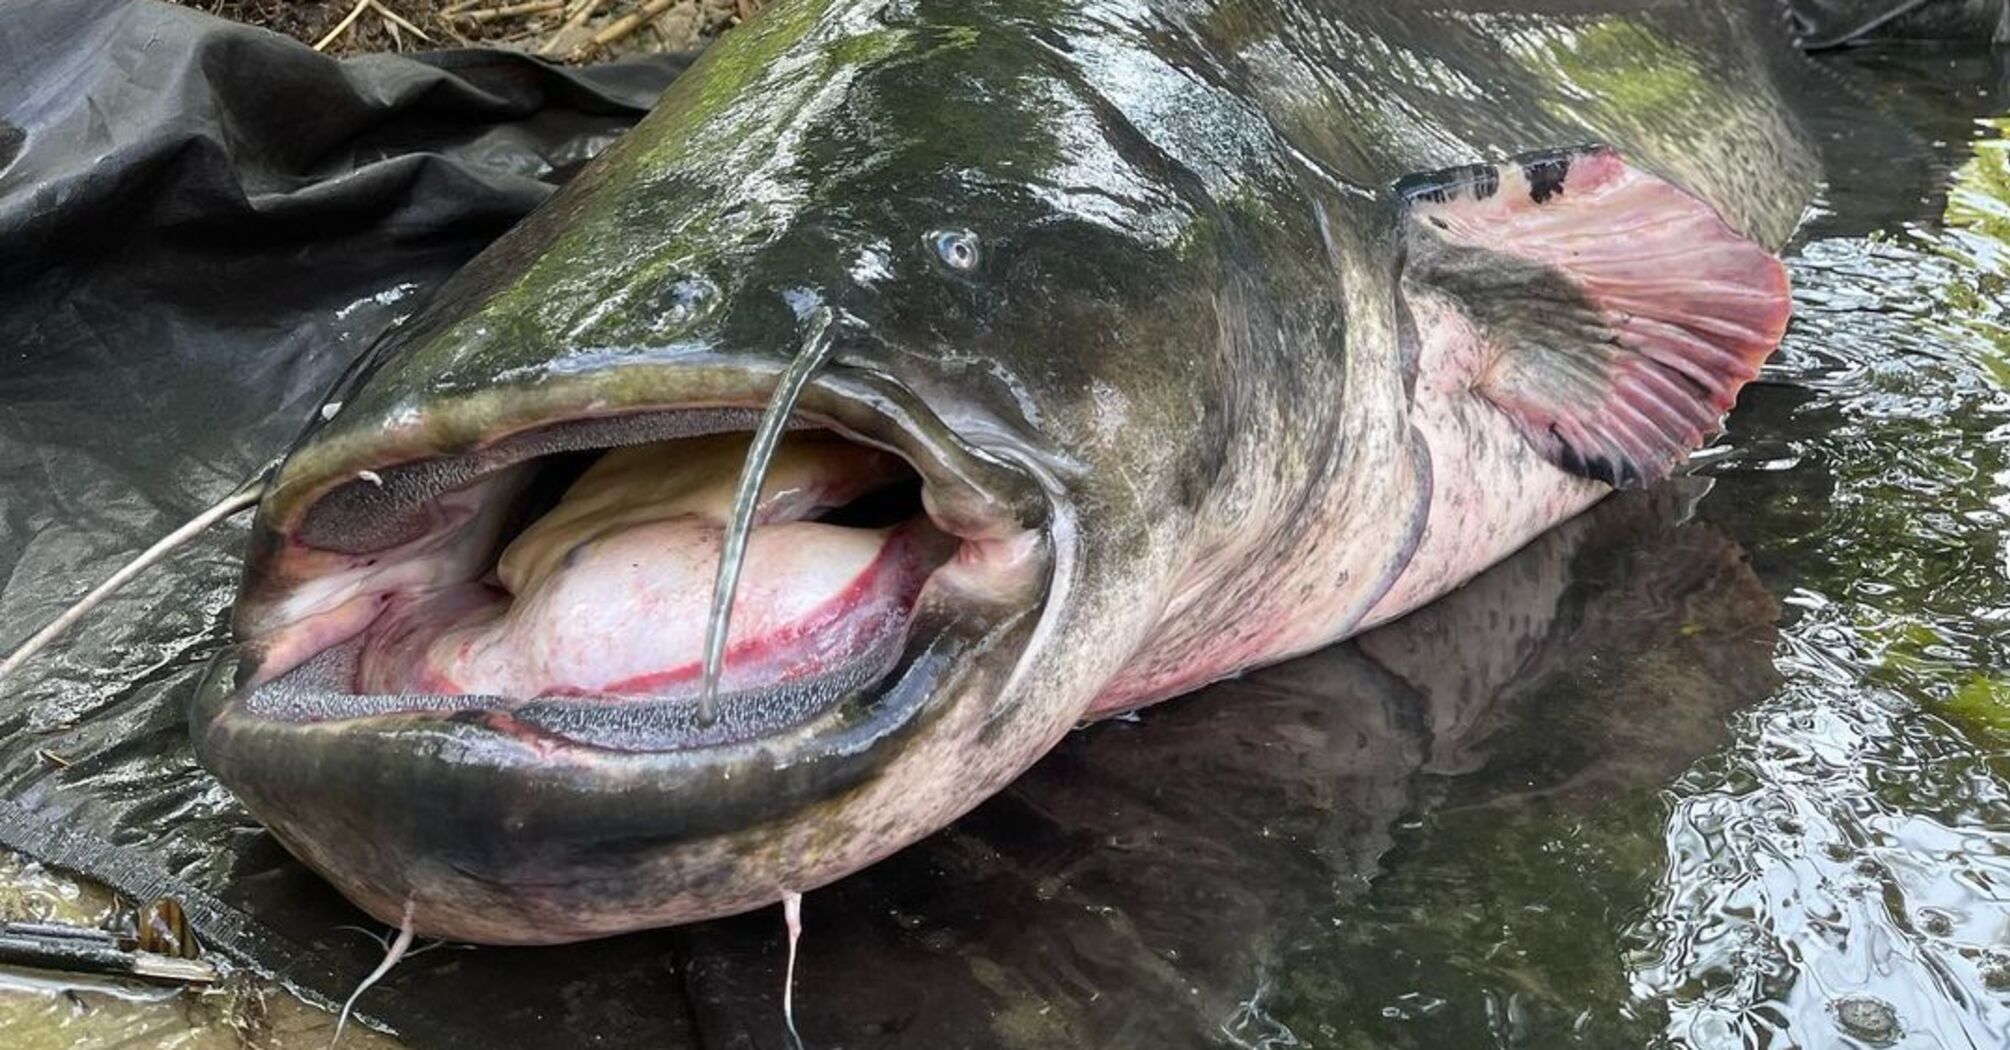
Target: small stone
{"points": [[1936, 923], [1870, 1019]]}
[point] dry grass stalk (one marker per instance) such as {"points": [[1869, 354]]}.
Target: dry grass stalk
{"points": [[343, 26], [532, 7], [621, 27], [581, 11], [395, 19]]}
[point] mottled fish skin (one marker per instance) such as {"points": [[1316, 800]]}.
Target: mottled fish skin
{"points": [[1145, 257]]}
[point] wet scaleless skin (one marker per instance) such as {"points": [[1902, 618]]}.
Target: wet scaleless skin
{"points": [[1166, 340]]}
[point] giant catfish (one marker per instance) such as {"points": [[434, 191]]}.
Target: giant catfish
{"points": [[1124, 345]]}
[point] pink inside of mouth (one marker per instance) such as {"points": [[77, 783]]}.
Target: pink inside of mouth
{"points": [[607, 593], [628, 618]]}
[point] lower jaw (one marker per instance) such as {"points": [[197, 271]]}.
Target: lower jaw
{"points": [[501, 832], [879, 684]]}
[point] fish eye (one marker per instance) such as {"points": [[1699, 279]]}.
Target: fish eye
{"points": [[957, 248]]}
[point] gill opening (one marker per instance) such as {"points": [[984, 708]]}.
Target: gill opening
{"points": [[816, 348]]}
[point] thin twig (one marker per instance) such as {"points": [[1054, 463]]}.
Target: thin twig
{"points": [[580, 16], [621, 27], [400, 20], [457, 7], [533, 7], [343, 26]]}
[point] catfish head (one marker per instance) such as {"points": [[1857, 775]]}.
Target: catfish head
{"points": [[470, 635]]}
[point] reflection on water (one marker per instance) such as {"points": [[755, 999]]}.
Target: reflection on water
{"points": [[1835, 871], [1844, 867], [1722, 770]]}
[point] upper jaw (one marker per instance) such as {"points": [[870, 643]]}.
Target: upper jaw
{"points": [[977, 490]]}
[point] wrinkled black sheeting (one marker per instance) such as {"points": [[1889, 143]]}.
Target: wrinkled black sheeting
{"points": [[1825, 24], [200, 226]]}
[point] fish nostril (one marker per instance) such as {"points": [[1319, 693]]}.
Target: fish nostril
{"points": [[685, 299], [957, 248]]}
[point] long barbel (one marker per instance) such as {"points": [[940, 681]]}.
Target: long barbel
{"points": [[816, 348], [243, 498]]}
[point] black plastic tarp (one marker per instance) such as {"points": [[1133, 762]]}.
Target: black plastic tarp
{"points": [[201, 224], [1824, 24]]}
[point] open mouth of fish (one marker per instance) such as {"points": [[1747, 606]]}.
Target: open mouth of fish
{"points": [[554, 584], [470, 644]]}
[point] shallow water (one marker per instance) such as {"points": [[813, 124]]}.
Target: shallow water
{"points": [[1728, 771], [1837, 871]]}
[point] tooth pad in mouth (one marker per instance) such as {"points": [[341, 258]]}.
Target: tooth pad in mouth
{"points": [[389, 509], [693, 477], [316, 692]]}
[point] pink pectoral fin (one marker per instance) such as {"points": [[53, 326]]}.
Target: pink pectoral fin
{"points": [[1620, 315]]}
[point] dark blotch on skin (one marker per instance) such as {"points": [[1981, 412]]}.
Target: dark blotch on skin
{"points": [[1618, 474], [1545, 176]]}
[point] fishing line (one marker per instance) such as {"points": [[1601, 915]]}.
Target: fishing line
{"points": [[391, 957], [247, 495], [733, 552]]}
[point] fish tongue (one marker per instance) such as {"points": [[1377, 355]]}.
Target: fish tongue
{"points": [[625, 612], [690, 478], [611, 586]]}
